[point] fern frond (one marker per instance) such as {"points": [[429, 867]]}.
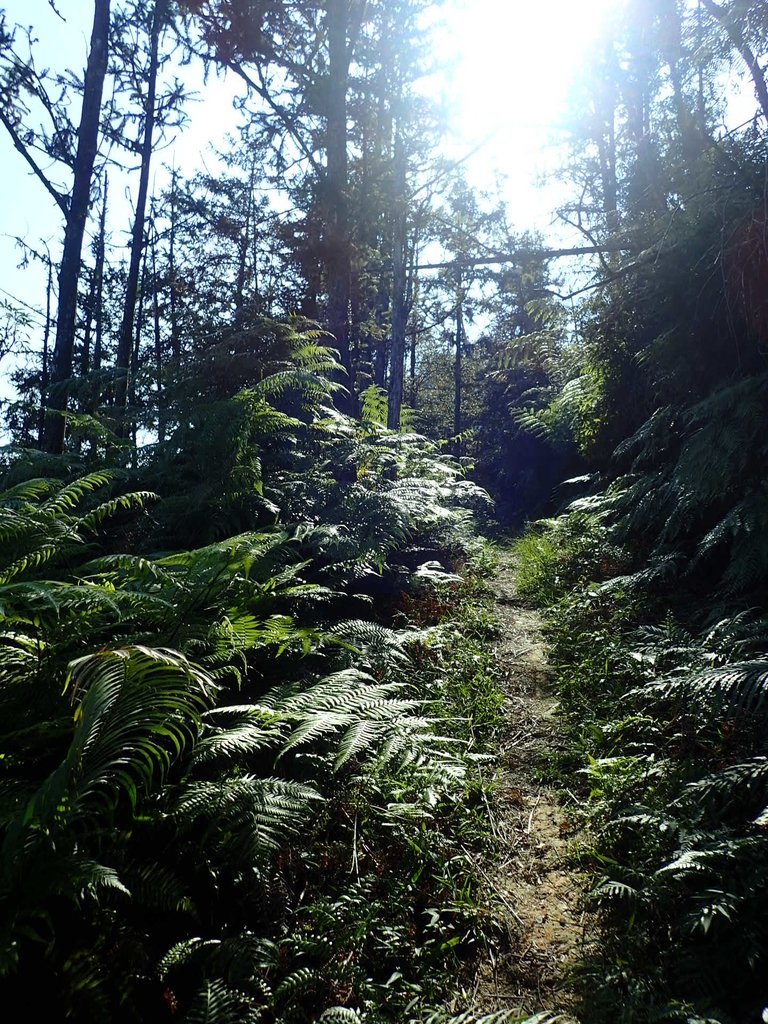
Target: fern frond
{"points": [[249, 816], [133, 568], [139, 708], [217, 1003], [714, 858], [717, 794], [234, 958], [724, 692], [499, 1017], [381, 648], [123, 503], [71, 495], [155, 885], [238, 732], [27, 492], [339, 701], [298, 982], [93, 877], [614, 890]]}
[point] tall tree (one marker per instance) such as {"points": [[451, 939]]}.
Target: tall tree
{"points": [[21, 75], [324, 80], [733, 18], [158, 19], [77, 212]]}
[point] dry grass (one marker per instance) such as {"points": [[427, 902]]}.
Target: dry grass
{"points": [[531, 887]]}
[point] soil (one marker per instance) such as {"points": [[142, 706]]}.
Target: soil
{"points": [[531, 886]]}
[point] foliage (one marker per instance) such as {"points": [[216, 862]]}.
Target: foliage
{"points": [[667, 718], [655, 578], [236, 781]]}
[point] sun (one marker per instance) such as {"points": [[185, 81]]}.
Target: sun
{"points": [[515, 58], [511, 63]]}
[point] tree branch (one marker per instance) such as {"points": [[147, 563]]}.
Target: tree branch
{"points": [[261, 89], [61, 200], [745, 52]]}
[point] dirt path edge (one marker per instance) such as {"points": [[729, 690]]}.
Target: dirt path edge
{"points": [[531, 886]]}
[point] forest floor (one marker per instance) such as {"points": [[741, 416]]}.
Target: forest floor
{"points": [[531, 885]]}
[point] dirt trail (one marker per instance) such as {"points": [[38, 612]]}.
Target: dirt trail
{"points": [[539, 895]]}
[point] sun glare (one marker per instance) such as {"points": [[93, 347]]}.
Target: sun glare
{"points": [[512, 62]]}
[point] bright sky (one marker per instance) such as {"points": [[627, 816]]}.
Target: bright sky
{"points": [[514, 60]]}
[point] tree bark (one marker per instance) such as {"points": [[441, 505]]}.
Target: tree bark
{"points": [[175, 339], [399, 283], [123, 361], [101, 245], [245, 246], [457, 366], [338, 258], [44, 369], [69, 273], [606, 142], [161, 412], [89, 306]]}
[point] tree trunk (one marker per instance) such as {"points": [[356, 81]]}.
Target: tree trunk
{"points": [[69, 272], [44, 369], [605, 136], [338, 257], [158, 345], [245, 246], [457, 366], [135, 350], [89, 304], [175, 339], [399, 283], [410, 300], [123, 361], [98, 346]]}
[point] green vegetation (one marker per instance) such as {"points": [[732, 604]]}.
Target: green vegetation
{"points": [[246, 781], [666, 716], [655, 575], [250, 714]]}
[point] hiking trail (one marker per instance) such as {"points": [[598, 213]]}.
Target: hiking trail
{"points": [[536, 892]]}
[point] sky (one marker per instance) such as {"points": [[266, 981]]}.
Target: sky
{"points": [[510, 64], [514, 63]]}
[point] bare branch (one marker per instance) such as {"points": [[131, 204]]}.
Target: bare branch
{"points": [[56, 11], [523, 254], [261, 89], [61, 200], [739, 42]]}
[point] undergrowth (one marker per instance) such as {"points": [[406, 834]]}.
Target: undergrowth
{"points": [[221, 798], [665, 708]]}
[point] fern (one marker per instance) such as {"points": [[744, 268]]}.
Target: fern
{"points": [[217, 1003], [724, 692], [367, 715], [223, 740], [377, 647], [92, 878], [138, 709], [234, 958], [339, 1015], [237, 732], [248, 816], [499, 1017], [716, 795], [299, 982]]}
